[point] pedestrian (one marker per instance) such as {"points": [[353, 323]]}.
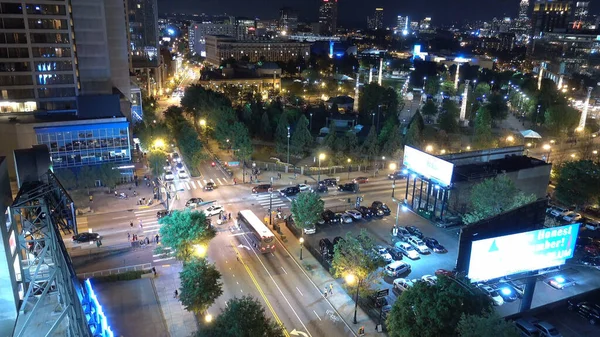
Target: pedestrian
{"points": [[134, 237], [116, 194], [234, 181], [229, 216], [325, 292], [91, 198], [131, 224], [139, 201], [147, 241], [157, 238], [128, 237], [330, 288], [141, 225], [176, 293], [154, 270]]}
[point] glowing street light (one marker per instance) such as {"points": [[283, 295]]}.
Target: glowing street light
{"points": [[203, 122], [301, 245], [159, 143], [208, 318], [429, 148], [393, 166], [510, 139], [351, 279], [321, 157], [349, 161], [200, 250]]}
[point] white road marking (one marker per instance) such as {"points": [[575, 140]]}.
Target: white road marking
{"points": [[204, 181], [300, 292], [152, 230], [118, 217], [193, 185], [288, 198], [317, 315], [199, 184], [284, 270], [187, 186], [225, 180], [212, 181], [165, 259], [220, 181], [144, 211]]}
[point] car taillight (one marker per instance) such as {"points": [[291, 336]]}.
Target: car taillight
{"points": [[273, 247]]}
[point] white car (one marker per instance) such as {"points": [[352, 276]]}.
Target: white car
{"points": [[382, 251], [354, 214], [304, 188], [182, 174], [169, 177], [558, 212], [572, 216], [429, 279], [346, 218], [418, 244], [491, 293], [167, 168], [214, 210], [408, 250], [403, 284]]}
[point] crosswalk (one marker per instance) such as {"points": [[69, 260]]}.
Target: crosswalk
{"points": [[150, 227], [276, 201], [199, 183]]}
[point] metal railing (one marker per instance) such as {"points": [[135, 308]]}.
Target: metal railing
{"points": [[106, 272]]}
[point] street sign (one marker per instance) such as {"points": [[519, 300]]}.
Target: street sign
{"points": [[383, 293]]}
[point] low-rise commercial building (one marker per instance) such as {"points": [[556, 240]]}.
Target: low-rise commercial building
{"points": [[220, 48]]}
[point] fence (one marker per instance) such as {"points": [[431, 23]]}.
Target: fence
{"points": [[106, 272]]}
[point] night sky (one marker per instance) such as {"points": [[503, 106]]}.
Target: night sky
{"points": [[352, 12]]}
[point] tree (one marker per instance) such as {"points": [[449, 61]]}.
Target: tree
{"points": [[67, 178], [429, 109], [393, 142], [432, 85], [414, 133], [301, 141], [242, 317], [482, 89], [369, 147], [375, 98], [281, 134], [306, 209], [483, 325], [265, 127], [447, 88], [494, 196], [435, 310], [109, 175], [578, 183], [483, 130], [157, 160], [200, 285], [497, 107], [87, 177], [241, 141], [561, 117], [449, 117], [183, 230]]}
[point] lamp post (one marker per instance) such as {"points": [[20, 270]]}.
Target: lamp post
{"points": [[548, 148], [203, 126], [310, 122], [321, 157], [349, 161], [271, 206], [288, 152], [301, 245], [352, 279]]}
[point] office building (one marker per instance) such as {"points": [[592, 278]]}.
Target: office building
{"points": [[143, 32], [550, 16], [581, 17], [245, 28], [199, 30], [425, 24], [403, 25], [221, 48], [288, 20], [375, 22], [328, 12]]}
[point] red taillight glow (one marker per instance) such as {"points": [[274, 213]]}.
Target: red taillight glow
{"points": [[263, 248]]}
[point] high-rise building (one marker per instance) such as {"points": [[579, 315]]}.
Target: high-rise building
{"points": [[425, 24], [199, 30], [328, 17], [403, 24], [220, 48], [581, 17], [143, 33], [523, 8], [550, 16], [376, 21], [288, 20]]}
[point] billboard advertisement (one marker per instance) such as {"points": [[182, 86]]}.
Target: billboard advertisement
{"points": [[428, 166], [517, 253]]}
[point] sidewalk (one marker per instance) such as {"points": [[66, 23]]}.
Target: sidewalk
{"points": [[104, 202], [340, 300], [180, 322]]}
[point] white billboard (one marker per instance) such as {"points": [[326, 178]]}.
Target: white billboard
{"points": [[428, 166], [522, 252]]}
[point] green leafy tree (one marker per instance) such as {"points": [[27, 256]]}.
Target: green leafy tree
{"points": [[241, 142], [301, 141], [370, 148], [483, 137], [447, 88], [242, 317], [281, 134], [429, 109], [265, 127], [354, 256], [449, 118], [432, 85], [561, 118], [351, 141], [494, 196], [67, 178], [156, 160], [483, 325], [482, 89], [578, 183], [393, 143], [306, 209], [87, 177], [414, 133], [497, 107], [435, 310], [183, 230], [375, 98], [225, 119], [109, 175], [200, 285]]}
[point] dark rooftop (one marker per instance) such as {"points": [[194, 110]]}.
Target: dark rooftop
{"points": [[493, 167]]}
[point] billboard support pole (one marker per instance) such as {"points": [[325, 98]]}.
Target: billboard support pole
{"points": [[428, 193], [437, 195], [412, 200], [444, 199], [407, 183], [420, 195], [527, 294]]}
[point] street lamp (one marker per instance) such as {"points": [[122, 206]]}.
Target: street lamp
{"points": [[510, 139], [208, 318], [159, 143], [349, 161], [301, 245], [288, 152], [352, 279], [321, 157], [548, 148], [310, 122], [429, 148]]}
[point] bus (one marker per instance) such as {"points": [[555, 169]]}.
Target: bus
{"points": [[262, 237]]}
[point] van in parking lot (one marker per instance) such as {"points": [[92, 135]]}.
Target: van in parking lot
{"points": [[396, 268], [526, 329]]}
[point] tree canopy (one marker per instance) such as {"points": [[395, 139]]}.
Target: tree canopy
{"points": [[483, 325], [301, 140], [497, 107], [449, 117], [578, 183], [354, 255], [306, 209], [483, 137], [200, 285], [429, 108], [183, 230]]}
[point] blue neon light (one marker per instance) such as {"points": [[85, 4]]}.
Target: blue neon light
{"points": [[101, 317]]}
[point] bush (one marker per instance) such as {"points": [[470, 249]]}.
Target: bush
{"points": [[126, 276]]}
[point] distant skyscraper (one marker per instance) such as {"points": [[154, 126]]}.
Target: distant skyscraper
{"points": [[328, 16], [550, 16], [523, 8], [288, 19], [403, 24], [581, 15], [143, 32], [376, 21]]}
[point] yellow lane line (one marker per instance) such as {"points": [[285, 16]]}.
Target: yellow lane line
{"points": [[262, 294]]}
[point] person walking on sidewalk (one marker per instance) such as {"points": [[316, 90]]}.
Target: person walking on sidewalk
{"points": [[128, 237], [131, 224], [330, 288], [141, 225], [176, 294], [325, 292]]}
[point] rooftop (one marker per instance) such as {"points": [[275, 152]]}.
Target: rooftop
{"points": [[493, 167]]}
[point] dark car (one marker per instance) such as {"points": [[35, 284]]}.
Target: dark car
{"points": [[328, 216], [507, 292], [193, 202], [289, 191], [414, 231], [162, 213], [322, 188], [350, 187], [262, 188], [376, 211], [328, 182], [361, 180], [364, 211], [326, 247], [397, 175], [590, 260], [383, 207], [395, 253], [210, 186], [434, 245], [86, 237], [587, 310]]}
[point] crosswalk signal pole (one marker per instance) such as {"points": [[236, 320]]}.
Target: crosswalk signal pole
{"points": [[271, 206]]}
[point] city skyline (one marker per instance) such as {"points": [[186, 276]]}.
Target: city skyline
{"points": [[351, 12]]}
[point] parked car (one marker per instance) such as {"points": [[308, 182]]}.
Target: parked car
{"points": [[434, 245], [182, 174], [162, 213], [214, 210], [571, 216], [322, 189], [381, 206], [591, 224], [592, 249], [85, 237], [492, 294], [193, 202], [558, 212], [210, 186], [418, 244], [587, 310], [376, 211], [395, 253], [407, 250], [413, 230], [356, 215], [403, 284], [344, 218], [364, 211], [169, 176], [289, 191], [326, 247], [328, 182], [383, 252], [350, 187], [402, 233], [337, 239], [507, 292], [360, 180], [262, 188], [396, 268], [591, 261], [328, 217], [560, 282], [526, 328], [304, 188], [546, 329], [429, 279], [444, 272]]}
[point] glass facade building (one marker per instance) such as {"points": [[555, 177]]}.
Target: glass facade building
{"points": [[81, 144]]}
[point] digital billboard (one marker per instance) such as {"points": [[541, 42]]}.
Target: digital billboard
{"points": [[517, 253], [428, 166]]}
